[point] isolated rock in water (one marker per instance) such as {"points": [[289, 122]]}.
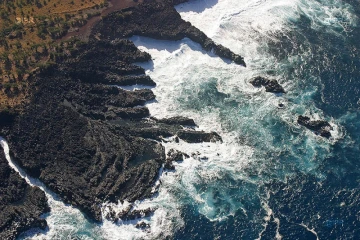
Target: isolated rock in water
{"points": [[320, 127], [175, 155], [142, 225], [178, 121], [20, 204], [259, 81], [198, 136], [270, 85]]}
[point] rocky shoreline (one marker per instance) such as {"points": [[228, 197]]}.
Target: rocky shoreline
{"points": [[90, 141], [20, 204], [158, 20], [85, 138]]}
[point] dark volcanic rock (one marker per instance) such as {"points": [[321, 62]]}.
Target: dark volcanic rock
{"points": [[89, 142], [111, 62], [198, 136], [142, 225], [64, 138], [169, 165], [7, 117], [20, 204], [174, 156], [159, 20], [178, 121], [270, 85], [129, 214], [320, 127], [135, 214]]}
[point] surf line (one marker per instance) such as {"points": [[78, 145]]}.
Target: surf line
{"points": [[31, 181]]}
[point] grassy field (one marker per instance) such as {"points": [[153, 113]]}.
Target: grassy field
{"points": [[30, 38]]}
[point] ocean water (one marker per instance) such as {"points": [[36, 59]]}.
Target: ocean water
{"points": [[270, 178]]}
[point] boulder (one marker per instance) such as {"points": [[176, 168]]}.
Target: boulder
{"points": [[319, 127], [270, 85], [184, 121], [142, 225], [173, 156], [198, 136], [136, 214]]}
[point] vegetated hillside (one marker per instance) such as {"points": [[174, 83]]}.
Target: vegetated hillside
{"points": [[30, 33]]}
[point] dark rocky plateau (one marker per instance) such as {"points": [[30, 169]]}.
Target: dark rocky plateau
{"points": [[158, 20], [270, 85], [319, 127], [177, 121], [20, 204], [198, 136], [87, 140]]}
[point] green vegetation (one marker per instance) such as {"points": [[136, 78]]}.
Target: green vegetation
{"points": [[31, 33]]}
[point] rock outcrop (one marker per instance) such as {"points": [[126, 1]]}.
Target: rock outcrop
{"points": [[198, 136], [184, 121], [319, 127], [20, 204], [136, 214], [270, 85], [142, 225], [174, 156], [89, 141], [158, 20], [129, 213]]}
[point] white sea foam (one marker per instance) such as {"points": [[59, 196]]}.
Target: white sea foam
{"points": [[64, 221], [135, 87], [189, 83], [244, 27]]}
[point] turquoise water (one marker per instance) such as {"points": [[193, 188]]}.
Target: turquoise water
{"points": [[271, 178]]}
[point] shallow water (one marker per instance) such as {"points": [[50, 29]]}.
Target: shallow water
{"points": [[271, 178]]}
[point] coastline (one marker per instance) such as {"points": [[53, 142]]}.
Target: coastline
{"points": [[76, 120], [91, 135]]}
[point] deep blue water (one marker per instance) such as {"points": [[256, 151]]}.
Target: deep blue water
{"points": [[291, 184], [328, 198]]}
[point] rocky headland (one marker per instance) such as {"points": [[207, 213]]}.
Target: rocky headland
{"points": [[88, 140], [20, 204], [158, 20]]}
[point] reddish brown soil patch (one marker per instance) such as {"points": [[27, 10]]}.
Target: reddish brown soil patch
{"points": [[114, 5]]}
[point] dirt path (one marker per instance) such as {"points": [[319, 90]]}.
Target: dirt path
{"points": [[114, 5]]}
